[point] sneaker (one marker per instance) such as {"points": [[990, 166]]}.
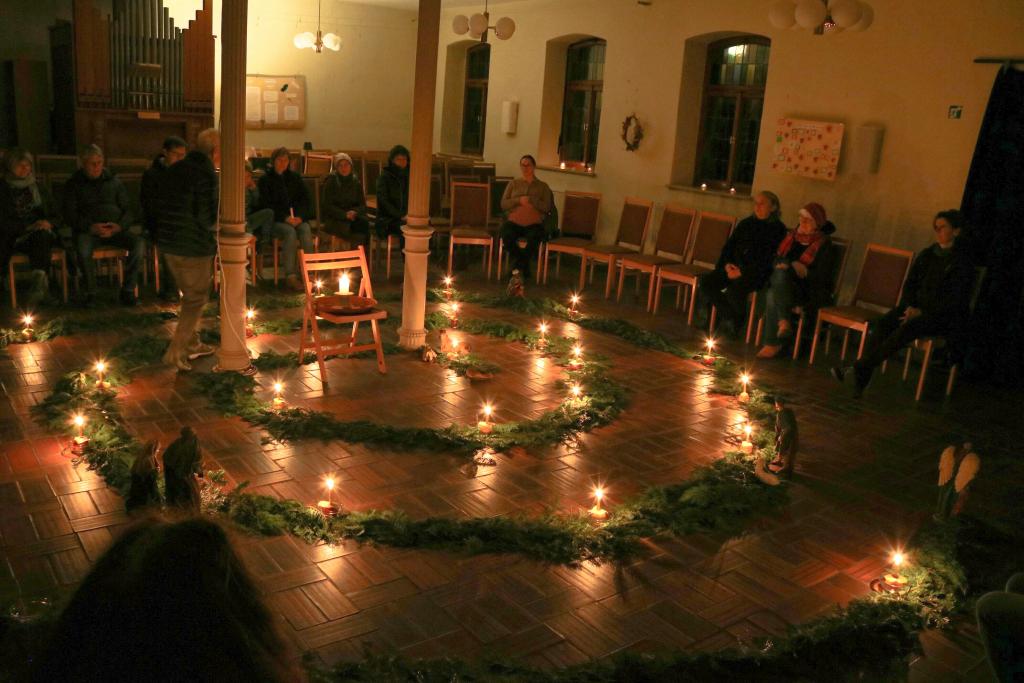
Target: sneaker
{"points": [[180, 363], [839, 372], [200, 350]]}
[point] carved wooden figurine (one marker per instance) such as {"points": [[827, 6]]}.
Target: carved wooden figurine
{"points": [[786, 439], [143, 491], [182, 464]]}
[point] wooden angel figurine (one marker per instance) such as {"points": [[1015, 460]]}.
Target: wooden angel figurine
{"points": [[182, 466], [143, 492], [786, 439]]}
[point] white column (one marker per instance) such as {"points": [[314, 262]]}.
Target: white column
{"points": [[418, 231], [233, 354]]}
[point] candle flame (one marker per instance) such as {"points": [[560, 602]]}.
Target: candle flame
{"points": [[78, 420], [543, 328], [448, 281], [747, 429], [599, 495], [330, 484], [576, 390], [27, 320], [745, 378], [898, 559], [319, 284], [278, 387], [488, 409], [250, 313], [577, 350], [710, 343], [100, 366], [575, 299], [455, 307]]}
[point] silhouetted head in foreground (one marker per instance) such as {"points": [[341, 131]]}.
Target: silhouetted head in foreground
{"points": [[170, 601]]}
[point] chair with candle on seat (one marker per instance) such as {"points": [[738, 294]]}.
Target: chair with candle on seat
{"points": [[670, 248], [878, 289], [318, 309], [471, 210], [579, 223], [710, 235]]}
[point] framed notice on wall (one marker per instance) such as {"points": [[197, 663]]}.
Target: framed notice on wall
{"points": [[275, 102], [807, 148]]}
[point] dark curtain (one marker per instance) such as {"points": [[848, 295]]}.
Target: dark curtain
{"points": [[993, 204]]}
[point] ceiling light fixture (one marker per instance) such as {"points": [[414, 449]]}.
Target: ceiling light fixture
{"points": [[478, 25], [319, 41], [822, 16]]}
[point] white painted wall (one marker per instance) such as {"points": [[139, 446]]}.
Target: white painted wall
{"points": [[902, 73]]}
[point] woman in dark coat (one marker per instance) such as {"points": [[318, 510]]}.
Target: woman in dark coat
{"points": [[393, 193], [27, 221], [802, 276], [343, 205], [745, 262], [282, 190]]}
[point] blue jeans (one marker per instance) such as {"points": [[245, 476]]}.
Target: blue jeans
{"points": [[260, 224], [779, 302], [290, 238], [134, 244]]}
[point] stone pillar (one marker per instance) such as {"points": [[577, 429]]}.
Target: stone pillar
{"points": [[418, 231], [233, 354]]}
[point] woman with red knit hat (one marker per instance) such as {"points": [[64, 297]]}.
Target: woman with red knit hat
{"points": [[802, 276]]}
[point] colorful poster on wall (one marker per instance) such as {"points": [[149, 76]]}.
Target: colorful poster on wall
{"points": [[807, 148]]}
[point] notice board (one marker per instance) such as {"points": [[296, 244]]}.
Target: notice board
{"points": [[807, 148], [275, 102]]}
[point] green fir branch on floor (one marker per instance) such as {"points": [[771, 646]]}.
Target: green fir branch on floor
{"points": [[461, 364]]}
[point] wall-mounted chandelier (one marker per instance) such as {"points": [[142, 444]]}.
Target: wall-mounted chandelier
{"points": [[319, 41], [822, 16], [479, 24]]}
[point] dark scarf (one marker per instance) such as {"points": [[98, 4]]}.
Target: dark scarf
{"points": [[29, 182], [813, 243]]}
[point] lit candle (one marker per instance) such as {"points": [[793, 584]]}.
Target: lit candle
{"points": [[27, 331], [574, 301], [577, 357], [562, 165], [895, 581], [278, 399], [327, 507], [732, 190], [485, 425], [100, 368], [448, 279], [453, 318], [250, 316], [343, 285], [703, 187], [576, 390], [598, 512], [543, 341], [747, 446], [709, 357], [81, 440], [744, 396], [319, 287]]}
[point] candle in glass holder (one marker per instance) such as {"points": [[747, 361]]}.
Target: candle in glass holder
{"points": [[344, 284], [747, 446], [744, 396], [80, 440], [250, 316], [101, 369], [27, 333], [598, 512], [327, 507], [485, 425], [278, 399], [895, 581]]}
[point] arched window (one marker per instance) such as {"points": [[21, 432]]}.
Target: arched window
{"points": [[737, 70], [581, 108], [474, 107]]}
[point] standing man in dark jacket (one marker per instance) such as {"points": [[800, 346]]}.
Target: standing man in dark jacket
{"points": [[936, 298], [97, 208], [282, 190], [186, 207], [745, 262], [393, 193], [174, 150]]}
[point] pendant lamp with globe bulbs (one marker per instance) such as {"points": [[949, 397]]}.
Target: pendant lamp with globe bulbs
{"points": [[478, 25], [317, 42], [822, 16]]}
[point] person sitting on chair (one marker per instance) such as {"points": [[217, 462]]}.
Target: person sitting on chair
{"points": [[393, 193], [526, 201], [343, 205], [258, 222], [282, 190], [97, 208], [27, 221], [745, 262], [935, 302], [174, 150], [801, 276]]}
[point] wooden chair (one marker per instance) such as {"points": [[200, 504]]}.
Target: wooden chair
{"points": [[108, 257], [843, 248], [373, 169], [484, 171], [634, 221], [673, 240], [878, 289], [313, 312], [275, 247], [317, 165], [579, 223], [471, 207], [58, 262], [710, 235], [498, 186]]}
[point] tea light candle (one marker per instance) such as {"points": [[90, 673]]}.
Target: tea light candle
{"points": [[543, 341], [576, 390], [27, 332], [703, 187], [576, 361], [448, 279], [250, 316], [744, 396], [278, 399], [562, 165], [327, 507], [598, 512], [453, 317], [343, 285], [485, 425], [709, 356], [574, 301], [81, 440], [747, 446], [732, 190], [895, 581], [319, 284], [101, 368]]}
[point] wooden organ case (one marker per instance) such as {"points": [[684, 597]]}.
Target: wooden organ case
{"points": [[134, 76]]}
